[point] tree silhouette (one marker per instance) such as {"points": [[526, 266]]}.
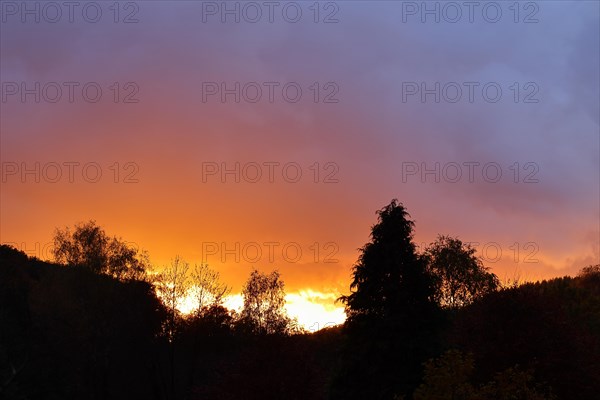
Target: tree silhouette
{"points": [[207, 288], [93, 332], [264, 300], [391, 316], [515, 383], [459, 275], [172, 285], [449, 377], [389, 279], [69, 333], [591, 273], [552, 326], [88, 246]]}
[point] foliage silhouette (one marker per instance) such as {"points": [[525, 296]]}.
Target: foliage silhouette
{"points": [[551, 326], [459, 276], [88, 246], [263, 312], [95, 330], [389, 279], [207, 288], [70, 333], [172, 285], [392, 320], [449, 377]]}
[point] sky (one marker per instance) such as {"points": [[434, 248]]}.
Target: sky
{"points": [[267, 134]]}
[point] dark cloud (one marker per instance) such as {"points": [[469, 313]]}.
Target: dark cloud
{"points": [[369, 134]]}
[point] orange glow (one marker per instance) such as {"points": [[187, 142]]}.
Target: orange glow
{"points": [[176, 175], [313, 310]]}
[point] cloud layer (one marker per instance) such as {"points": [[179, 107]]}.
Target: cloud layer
{"points": [[359, 135]]}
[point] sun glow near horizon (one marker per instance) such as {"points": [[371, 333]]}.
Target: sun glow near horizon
{"points": [[313, 310]]}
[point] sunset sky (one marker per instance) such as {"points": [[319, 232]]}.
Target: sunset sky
{"points": [[393, 104]]}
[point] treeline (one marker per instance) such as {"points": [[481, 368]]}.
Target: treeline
{"points": [[71, 333], [89, 247], [103, 323]]}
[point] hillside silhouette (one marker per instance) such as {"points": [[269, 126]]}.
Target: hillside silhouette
{"points": [[102, 323]]}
